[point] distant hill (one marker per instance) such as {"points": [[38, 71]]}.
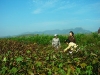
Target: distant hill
{"points": [[64, 31], [56, 31]]}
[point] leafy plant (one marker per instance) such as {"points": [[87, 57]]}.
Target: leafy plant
{"points": [[34, 55]]}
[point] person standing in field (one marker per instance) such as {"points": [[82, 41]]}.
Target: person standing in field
{"points": [[56, 42], [71, 42], [71, 37]]}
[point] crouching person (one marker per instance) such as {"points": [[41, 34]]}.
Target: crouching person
{"points": [[71, 46]]}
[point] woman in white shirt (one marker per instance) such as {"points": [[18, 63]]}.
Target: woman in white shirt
{"points": [[71, 46], [56, 42]]}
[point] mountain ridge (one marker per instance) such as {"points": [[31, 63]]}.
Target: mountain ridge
{"points": [[64, 31]]}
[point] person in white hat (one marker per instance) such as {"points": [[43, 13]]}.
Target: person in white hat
{"points": [[56, 42]]}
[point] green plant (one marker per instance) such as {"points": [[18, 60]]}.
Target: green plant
{"points": [[34, 55]]}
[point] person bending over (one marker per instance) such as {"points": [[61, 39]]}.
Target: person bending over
{"points": [[71, 46]]}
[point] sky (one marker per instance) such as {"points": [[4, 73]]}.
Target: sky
{"points": [[20, 16]]}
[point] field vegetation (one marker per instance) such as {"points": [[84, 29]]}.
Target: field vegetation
{"points": [[34, 55]]}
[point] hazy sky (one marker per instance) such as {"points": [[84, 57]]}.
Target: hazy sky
{"points": [[19, 16]]}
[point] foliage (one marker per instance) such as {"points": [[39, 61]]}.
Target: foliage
{"points": [[34, 55]]}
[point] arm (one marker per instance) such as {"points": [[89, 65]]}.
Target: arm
{"points": [[69, 46]]}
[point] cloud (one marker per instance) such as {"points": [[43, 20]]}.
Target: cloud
{"points": [[51, 5], [37, 11], [42, 6], [66, 6], [71, 7]]}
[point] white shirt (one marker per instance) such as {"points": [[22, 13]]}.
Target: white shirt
{"points": [[72, 46], [55, 42]]}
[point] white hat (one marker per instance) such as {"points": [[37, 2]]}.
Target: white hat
{"points": [[55, 35]]}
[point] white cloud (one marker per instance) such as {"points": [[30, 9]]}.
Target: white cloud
{"points": [[42, 5], [66, 6], [54, 5], [51, 6], [37, 11]]}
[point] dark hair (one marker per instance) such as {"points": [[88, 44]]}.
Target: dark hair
{"points": [[72, 33], [67, 41], [72, 38]]}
